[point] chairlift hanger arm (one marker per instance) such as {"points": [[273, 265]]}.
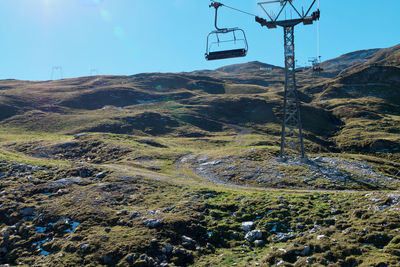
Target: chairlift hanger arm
{"points": [[273, 23], [216, 5], [244, 12]]}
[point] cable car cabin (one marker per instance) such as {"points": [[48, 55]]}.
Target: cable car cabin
{"points": [[226, 43]]}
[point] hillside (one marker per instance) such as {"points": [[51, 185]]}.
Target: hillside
{"points": [[182, 169]]}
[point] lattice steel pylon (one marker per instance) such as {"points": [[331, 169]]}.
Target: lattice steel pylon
{"points": [[54, 70], [292, 130]]}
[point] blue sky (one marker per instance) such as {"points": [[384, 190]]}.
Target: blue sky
{"points": [[132, 36]]}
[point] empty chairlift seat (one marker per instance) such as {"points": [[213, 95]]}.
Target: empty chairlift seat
{"points": [[226, 54], [226, 43]]}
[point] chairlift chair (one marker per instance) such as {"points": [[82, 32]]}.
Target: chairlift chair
{"points": [[213, 39]]}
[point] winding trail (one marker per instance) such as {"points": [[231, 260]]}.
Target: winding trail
{"points": [[241, 131], [183, 174]]}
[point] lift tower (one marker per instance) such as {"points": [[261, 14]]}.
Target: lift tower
{"points": [[292, 131]]}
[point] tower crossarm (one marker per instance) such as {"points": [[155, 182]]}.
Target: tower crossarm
{"points": [[304, 18]]}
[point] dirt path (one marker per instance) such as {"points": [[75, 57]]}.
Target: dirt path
{"points": [[241, 131], [184, 175]]}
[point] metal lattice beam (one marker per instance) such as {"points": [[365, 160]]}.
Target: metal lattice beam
{"points": [[292, 130]]}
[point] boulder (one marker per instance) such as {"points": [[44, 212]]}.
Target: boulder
{"points": [[247, 226], [153, 223], [306, 251], [188, 242], [253, 235], [282, 237], [258, 243], [28, 211]]}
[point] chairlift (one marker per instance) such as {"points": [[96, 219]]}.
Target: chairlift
{"points": [[315, 65], [217, 38]]}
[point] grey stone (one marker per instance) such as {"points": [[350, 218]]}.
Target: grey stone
{"points": [[64, 182], [100, 175], [62, 192], [84, 247], [188, 242], [153, 212], [168, 248], [29, 211], [135, 215], [84, 172], [186, 239], [122, 212], [306, 251], [169, 208], [258, 243], [153, 223], [247, 226], [253, 235], [315, 229], [282, 237], [310, 259]]}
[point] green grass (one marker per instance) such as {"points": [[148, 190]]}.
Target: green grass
{"points": [[234, 118]]}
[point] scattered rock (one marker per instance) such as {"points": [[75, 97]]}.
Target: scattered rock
{"points": [[315, 229], [100, 175], [153, 212], [135, 215], [84, 172], [282, 237], [253, 235], [28, 211], [168, 248], [107, 229], [64, 182], [306, 251], [131, 257], [310, 260], [122, 212], [61, 192], [188, 242], [168, 209], [247, 226], [153, 223], [258, 243], [84, 247]]}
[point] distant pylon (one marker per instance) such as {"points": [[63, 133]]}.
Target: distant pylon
{"points": [[54, 71], [94, 72]]}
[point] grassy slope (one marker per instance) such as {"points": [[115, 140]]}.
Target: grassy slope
{"points": [[141, 144]]}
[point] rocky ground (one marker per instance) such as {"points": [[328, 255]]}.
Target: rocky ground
{"points": [[82, 213], [317, 173]]}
